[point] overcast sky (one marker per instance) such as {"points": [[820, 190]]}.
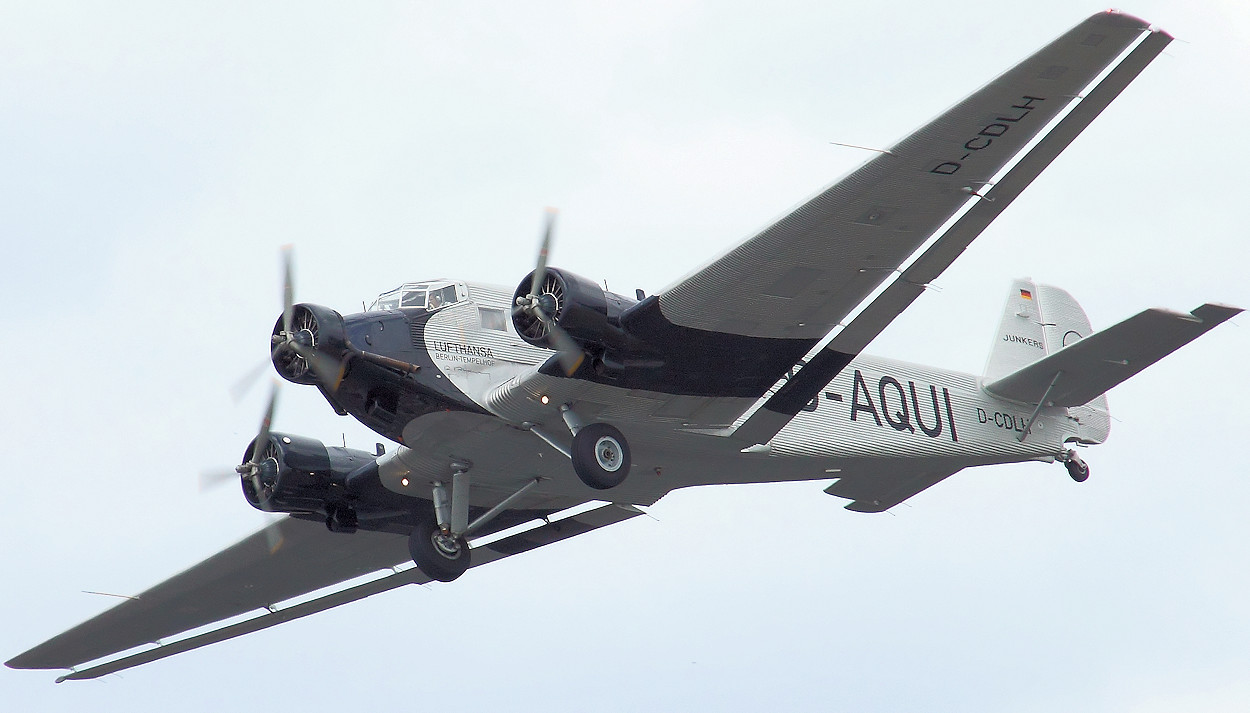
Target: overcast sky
{"points": [[153, 160]]}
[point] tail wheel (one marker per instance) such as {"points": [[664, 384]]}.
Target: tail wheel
{"points": [[600, 456], [439, 555], [1078, 469]]}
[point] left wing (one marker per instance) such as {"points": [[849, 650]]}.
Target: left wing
{"points": [[800, 277], [895, 294], [248, 577]]}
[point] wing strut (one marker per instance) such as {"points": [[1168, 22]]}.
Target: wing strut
{"points": [[1041, 404]]}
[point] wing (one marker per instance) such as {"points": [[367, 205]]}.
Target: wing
{"points": [[842, 266], [248, 577], [802, 276], [897, 291]]}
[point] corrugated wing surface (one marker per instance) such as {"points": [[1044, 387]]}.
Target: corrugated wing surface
{"points": [[801, 276]]}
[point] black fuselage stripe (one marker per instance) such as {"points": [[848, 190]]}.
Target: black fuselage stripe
{"points": [[806, 385]]}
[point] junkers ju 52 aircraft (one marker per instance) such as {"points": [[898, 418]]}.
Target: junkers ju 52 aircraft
{"points": [[522, 406]]}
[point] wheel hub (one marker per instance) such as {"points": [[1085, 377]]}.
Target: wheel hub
{"points": [[608, 454], [446, 545]]}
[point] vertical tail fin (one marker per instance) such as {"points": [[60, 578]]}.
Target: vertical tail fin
{"points": [[1040, 320], [1020, 339]]}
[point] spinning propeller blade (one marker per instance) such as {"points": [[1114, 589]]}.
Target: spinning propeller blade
{"points": [[328, 370], [569, 353], [273, 534], [540, 271], [215, 478], [288, 290], [245, 383], [262, 438]]}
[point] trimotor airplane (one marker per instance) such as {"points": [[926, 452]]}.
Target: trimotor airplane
{"points": [[527, 416]]}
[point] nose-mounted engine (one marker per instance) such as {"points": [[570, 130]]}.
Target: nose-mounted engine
{"points": [[312, 348]]}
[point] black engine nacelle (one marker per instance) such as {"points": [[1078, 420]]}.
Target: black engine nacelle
{"points": [[316, 327], [301, 475], [589, 313]]}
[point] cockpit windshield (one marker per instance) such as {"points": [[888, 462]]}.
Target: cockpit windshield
{"points": [[417, 295]]}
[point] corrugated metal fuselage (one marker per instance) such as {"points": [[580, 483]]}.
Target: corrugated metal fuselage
{"points": [[877, 415]]}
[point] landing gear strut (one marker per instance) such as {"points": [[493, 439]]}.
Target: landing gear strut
{"points": [[439, 544], [1077, 468]]}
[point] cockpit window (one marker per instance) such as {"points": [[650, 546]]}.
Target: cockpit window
{"points": [[416, 295], [413, 298], [442, 297]]}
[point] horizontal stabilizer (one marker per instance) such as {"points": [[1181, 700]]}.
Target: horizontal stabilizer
{"points": [[1082, 371]]}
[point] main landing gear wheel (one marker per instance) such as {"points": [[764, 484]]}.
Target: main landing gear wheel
{"points": [[439, 555], [600, 456], [1077, 468]]}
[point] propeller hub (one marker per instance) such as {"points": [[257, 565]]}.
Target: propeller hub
{"points": [[546, 302], [303, 337]]}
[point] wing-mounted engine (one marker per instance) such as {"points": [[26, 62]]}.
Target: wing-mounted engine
{"points": [[607, 338], [589, 314], [295, 474]]}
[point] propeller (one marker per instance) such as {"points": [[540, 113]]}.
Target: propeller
{"points": [[568, 352], [253, 470], [255, 466], [245, 383], [299, 337]]}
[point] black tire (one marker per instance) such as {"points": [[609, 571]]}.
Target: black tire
{"points": [[436, 560], [600, 456], [1078, 470]]}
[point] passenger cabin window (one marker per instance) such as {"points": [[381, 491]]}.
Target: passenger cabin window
{"points": [[493, 319]]}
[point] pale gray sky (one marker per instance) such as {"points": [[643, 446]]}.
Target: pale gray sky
{"points": [[155, 158]]}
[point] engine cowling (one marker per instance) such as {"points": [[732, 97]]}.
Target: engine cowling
{"points": [[318, 327], [299, 474], [580, 306]]}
